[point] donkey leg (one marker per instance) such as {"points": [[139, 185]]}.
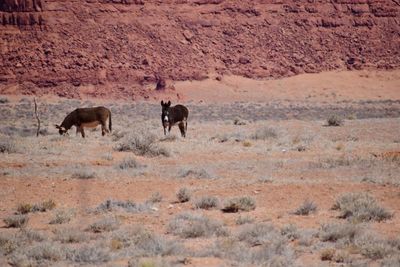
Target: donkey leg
{"points": [[182, 128], [169, 128], [185, 127], [165, 130], [104, 129], [82, 132]]}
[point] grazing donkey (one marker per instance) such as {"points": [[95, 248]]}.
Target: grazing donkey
{"points": [[174, 115], [86, 117]]}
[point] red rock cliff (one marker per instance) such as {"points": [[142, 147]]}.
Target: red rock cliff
{"points": [[122, 44]]}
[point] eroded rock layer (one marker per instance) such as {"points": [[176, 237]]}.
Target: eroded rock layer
{"points": [[119, 47]]}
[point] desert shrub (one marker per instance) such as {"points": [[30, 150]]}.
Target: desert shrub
{"points": [[191, 225], [243, 220], [264, 133], [62, 216], [142, 143], [341, 256], [274, 253], [206, 202], [117, 135], [334, 232], [334, 120], [128, 163], [24, 208], [105, 224], [360, 207], [144, 243], [306, 237], [374, 247], [259, 234], [246, 143], [69, 235], [46, 251], [306, 208], [327, 254], [10, 243], [239, 121], [127, 206], [195, 172], [7, 244], [290, 231], [4, 100], [28, 236], [237, 204], [183, 195], [392, 261], [44, 206], [301, 148], [7, 146], [16, 221], [83, 173], [156, 197], [93, 254]]}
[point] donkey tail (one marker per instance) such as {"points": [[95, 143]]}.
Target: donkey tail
{"points": [[109, 122]]}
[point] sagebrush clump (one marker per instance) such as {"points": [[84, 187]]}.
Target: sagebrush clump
{"points": [[237, 204], [360, 207], [183, 195], [142, 143]]}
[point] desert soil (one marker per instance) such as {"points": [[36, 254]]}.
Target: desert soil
{"points": [[298, 158]]}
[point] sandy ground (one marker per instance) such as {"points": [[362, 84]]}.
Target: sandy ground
{"points": [[299, 160], [314, 88]]}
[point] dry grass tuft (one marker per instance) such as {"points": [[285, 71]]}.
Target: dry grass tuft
{"points": [[243, 220], [156, 197], [127, 206], [140, 242], [200, 173], [16, 221], [93, 254], [84, 173], [334, 120], [239, 204], [69, 235], [142, 143], [327, 254], [191, 225], [306, 208], [105, 224], [264, 133], [360, 207], [259, 234], [7, 146], [62, 216], [129, 163], [334, 232], [183, 195], [206, 202]]}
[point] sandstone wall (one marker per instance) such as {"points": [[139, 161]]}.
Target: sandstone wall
{"points": [[46, 44]]}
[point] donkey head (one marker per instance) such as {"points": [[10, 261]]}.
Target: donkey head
{"points": [[61, 130], [165, 111]]}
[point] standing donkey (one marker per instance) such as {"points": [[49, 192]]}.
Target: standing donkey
{"points": [[174, 115], [86, 117]]}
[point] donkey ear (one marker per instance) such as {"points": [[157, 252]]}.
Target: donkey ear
{"points": [[162, 103], [57, 126], [169, 103]]}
